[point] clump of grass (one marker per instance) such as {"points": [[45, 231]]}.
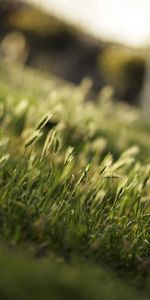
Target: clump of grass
{"points": [[74, 181]]}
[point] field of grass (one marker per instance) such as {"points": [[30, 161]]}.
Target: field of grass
{"points": [[74, 192]]}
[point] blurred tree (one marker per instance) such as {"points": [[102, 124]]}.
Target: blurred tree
{"points": [[125, 69]]}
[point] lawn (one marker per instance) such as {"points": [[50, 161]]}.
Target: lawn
{"points": [[74, 191]]}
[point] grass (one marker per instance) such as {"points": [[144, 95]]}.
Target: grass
{"points": [[74, 192]]}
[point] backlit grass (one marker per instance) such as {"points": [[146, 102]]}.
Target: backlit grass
{"points": [[74, 191]]}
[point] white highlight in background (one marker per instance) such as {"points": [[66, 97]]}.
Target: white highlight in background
{"points": [[126, 21]]}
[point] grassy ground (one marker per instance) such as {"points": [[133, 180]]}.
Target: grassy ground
{"points": [[74, 192]]}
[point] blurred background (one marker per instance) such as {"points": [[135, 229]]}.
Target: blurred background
{"points": [[106, 41]]}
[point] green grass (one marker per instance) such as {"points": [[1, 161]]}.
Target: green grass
{"points": [[74, 192]]}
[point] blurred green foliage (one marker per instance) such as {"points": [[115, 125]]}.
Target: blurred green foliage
{"points": [[125, 69]]}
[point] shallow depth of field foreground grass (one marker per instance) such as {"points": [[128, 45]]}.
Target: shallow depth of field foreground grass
{"points": [[74, 192]]}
